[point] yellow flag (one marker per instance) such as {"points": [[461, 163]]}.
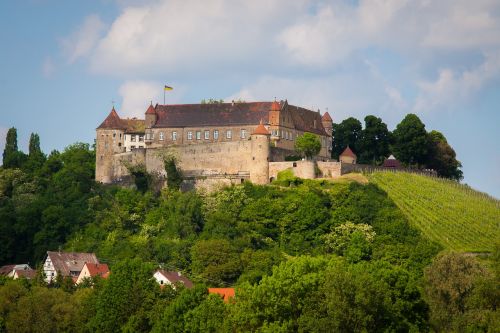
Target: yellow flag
{"points": [[168, 88]]}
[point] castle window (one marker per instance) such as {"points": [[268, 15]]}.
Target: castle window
{"points": [[114, 135], [119, 144], [229, 134], [286, 135], [132, 147], [161, 136], [132, 138], [190, 135], [174, 136], [243, 133], [198, 135], [216, 134], [207, 135]]}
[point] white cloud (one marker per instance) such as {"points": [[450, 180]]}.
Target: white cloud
{"points": [[82, 41], [452, 87], [48, 67], [137, 95]]}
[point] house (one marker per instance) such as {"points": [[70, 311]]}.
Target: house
{"points": [[171, 278], [392, 162], [225, 293], [348, 156], [18, 271], [66, 263], [90, 270]]}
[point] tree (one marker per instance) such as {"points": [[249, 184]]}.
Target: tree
{"points": [[351, 240], [36, 158], [12, 157], [308, 144], [174, 174], [373, 144], [347, 133], [411, 142], [449, 284], [442, 157]]}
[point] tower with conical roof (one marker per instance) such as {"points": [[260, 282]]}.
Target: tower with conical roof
{"points": [[259, 166], [109, 141]]}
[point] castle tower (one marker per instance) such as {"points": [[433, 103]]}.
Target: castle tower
{"points": [[327, 122], [149, 122], [109, 141], [259, 166], [274, 120]]}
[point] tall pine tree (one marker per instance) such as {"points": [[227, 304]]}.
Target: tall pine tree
{"points": [[12, 157]]}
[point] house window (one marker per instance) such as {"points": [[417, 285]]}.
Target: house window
{"points": [[132, 147], [216, 134], [174, 136], [229, 134], [243, 133], [132, 138], [161, 136], [190, 135], [276, 133], [198, 135], [207, 135], [286, 135], [141, 138]]}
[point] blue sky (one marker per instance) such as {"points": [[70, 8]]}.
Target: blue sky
{"points": [[62, 63]]}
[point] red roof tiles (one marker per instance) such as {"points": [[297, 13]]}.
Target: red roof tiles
{"points": [[348, 152], [275, 106], [150, 110], [261, 130], [225, 293], [326, 117], [97, 269], [113, 121]]}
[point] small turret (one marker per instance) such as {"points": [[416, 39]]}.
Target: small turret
{"points": [[150, 118], [327, 122], [259, 167]]}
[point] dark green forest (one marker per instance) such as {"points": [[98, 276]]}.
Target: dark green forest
{"points": [[303, 255]]}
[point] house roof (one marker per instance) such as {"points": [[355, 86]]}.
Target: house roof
{"points": [[7, 269], [391, 162], [348, 152], [113, 121], [151, 109], [26, 273], [65, 262], [261, 129], [326, 117], [97, 269], [220, 114], [233, 114], [225, 293], [175, 277]]}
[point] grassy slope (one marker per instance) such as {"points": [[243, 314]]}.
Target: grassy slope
{"points": [[455, 216]]}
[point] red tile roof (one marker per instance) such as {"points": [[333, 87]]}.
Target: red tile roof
{"points": [[113, 121], [261, 130], [175, 277], [26, 273], [7, 269], [326, 117], [66, 262], [97, 269], [275, 106], [225, 293], [348, 152], [150, 110]]}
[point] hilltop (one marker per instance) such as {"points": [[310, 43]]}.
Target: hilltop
{"points": [[453, 215]]}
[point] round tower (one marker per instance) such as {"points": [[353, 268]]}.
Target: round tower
{"points": [[260, 151]]}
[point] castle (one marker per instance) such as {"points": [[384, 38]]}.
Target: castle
{"points": [[221, 142]]}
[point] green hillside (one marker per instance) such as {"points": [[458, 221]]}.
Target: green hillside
{"points": [[451, 214]]}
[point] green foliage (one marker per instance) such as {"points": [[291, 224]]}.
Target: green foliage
{"points": [[12, 157], [453, 215], [462, 294], [374, 141], [347, 133], [308, 144], [351, 240], [411, 142], [174, 174], [125, 298], [142, 178], [442, 157], [213, 101]]}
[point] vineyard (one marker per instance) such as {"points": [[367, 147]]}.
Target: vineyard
{"points": [[453, 215]]}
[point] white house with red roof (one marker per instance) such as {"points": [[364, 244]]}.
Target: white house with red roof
{"points": [[90, 270], [172, 278]]}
